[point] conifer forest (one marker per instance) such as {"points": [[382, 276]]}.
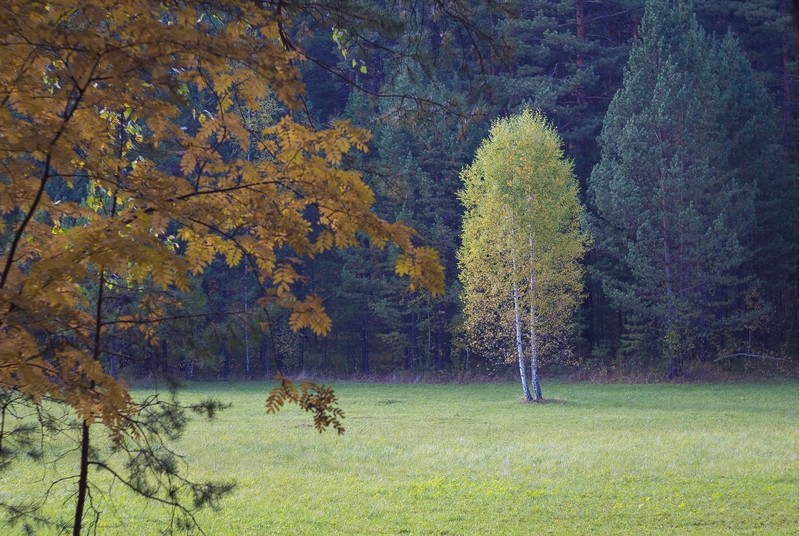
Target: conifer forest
{"points": [[205, 190]]}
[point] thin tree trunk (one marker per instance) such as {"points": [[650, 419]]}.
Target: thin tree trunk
{"points": [[225, 372], [440, 357], [414, 348], [518, 319], [429, 356], [675, 359], [301, 364], [364, 351], [365, 338], [533, 341], [164, 357], [3, 423], [114, 366], [83, 479], [796, 23], [245, 326], [264, 362], [580, 27], [787, 72], [702, 350]]}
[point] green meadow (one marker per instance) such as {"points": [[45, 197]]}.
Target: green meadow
{"points": [[474, 459]]}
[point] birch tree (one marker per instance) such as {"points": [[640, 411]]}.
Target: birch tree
{"points": [[522, 246]]}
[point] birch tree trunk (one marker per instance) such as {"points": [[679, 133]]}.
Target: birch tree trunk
{"points": [[518, 319], [533, 342]]}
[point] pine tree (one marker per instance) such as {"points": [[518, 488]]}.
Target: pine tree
{"points": [[684, 143], [765, 29], [566, 59]]}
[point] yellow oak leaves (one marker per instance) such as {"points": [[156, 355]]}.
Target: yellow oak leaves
{"points": [[139, 102]]}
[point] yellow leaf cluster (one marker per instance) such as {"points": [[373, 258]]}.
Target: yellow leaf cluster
{"points": [[311, 397], [310, 313], [424, 269], [103, 92]]}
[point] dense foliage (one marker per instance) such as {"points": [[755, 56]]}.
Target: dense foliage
{"points": [[686, 143], [522, 239], [182, 183], [133, 156], [737, 79], [426, 81]]}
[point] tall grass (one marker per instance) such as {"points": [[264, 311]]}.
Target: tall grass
{"points": [[473, 459]]}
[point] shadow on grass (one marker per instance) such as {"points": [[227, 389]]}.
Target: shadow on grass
{"points": [[543, 401]]}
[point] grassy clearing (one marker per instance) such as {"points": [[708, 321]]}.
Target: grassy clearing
{"points": [[455, 459]]}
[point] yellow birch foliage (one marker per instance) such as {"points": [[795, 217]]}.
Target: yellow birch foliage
{"points": [[98, 90], [521, 198]]}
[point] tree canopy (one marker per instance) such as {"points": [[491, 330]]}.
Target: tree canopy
{"points": [[522, 244], [685, 144], [100, 107], [140, 105], [181, 183]]}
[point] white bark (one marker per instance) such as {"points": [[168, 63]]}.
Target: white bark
{"points": [[518, 318], [533, 341]]}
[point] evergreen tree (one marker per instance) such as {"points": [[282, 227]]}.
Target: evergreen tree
{"points": [[684, 144], [767, 36], [566, 59]]}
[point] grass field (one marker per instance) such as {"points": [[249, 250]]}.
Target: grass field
{"points": [[473, 459]]}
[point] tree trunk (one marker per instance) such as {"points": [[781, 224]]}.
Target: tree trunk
{"points": [[796, 23], [247, 366], [440, 357], [533, 341], [83, 480], [787, 74], [519, 347], [702, 345], [114, 366], [263, 361], [164, 357], [83, 477], [518, 319], [365, 337], [245, 326], [579, 91], [301, 362], [675, 355], [413, 346], [225, 362], [429, 354], [364, 351]]}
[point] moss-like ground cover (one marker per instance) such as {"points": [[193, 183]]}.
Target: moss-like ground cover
{"points": [[473, 459]]}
